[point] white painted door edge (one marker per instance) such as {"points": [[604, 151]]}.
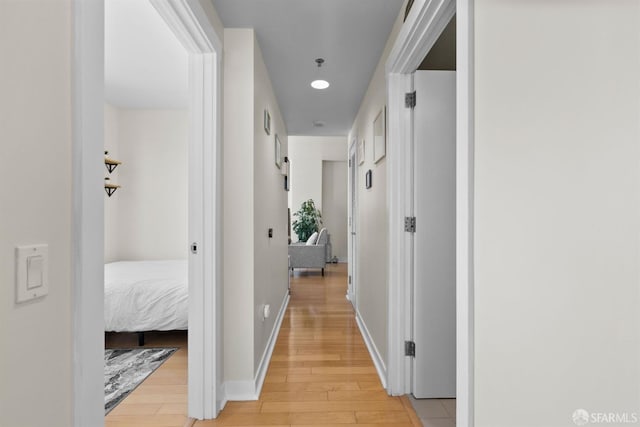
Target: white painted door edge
{"points": [[418, 34], [88, 213], [189, 23]]}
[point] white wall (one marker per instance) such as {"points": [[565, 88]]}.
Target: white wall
{"points": [[270, 202], [35, 130], [557, 210], [372, 235], [334, 212], [306, 154], [153, 200], [255, 267], [238, 204]]}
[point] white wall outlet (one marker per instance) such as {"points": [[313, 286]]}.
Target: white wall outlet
{"points": [[32, 272]]}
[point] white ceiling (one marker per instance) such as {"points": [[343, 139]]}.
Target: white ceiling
{"points": [[349, 34], [145, 65]]}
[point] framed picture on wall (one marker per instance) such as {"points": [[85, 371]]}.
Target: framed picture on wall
{"points": [[267, 122], [379, 137], [361, 151], [278, 155]]}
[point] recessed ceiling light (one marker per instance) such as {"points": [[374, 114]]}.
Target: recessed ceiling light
{"points": [[320, 84]]}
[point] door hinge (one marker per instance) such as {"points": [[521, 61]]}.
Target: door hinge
{"points": [[349, 162], [410, 348], [349, 279], [410, 224], [410, 99]]}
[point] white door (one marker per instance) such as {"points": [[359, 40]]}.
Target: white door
{"points": [[434, 302], [334, 206], [352, 213]]}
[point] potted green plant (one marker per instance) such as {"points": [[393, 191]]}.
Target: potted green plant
{"points": [[308, 220]]}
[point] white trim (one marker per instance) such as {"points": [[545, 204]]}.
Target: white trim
{"points": [[464, 212], [250, 390], [240, 391], [261, 373], [352, 211], [189, 23], [424, 24], [420, 31], [399, 195], [88, 213], [373, 350]]}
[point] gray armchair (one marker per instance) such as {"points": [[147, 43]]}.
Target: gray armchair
{"points": [[302, 255]]}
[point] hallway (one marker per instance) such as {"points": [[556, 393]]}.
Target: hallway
{"points": [[320, 372]]}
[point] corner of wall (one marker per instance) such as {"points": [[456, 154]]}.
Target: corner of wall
{"points": [[238, 208]]}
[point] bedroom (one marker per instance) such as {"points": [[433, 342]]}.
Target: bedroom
{"points": [[146, 216]]}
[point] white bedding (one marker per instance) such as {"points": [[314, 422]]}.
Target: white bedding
{"points": [[146, 296]]}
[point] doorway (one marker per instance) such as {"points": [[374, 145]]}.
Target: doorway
{"points": [[193, 28], [434, 298], [334, 207], [434, 243], [423, 25], [353, 216]]}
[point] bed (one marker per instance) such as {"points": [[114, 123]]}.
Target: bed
{"points": [[144, 296]]}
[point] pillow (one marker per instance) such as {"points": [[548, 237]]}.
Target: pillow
{"points": [[322, 237], [312, 239]]}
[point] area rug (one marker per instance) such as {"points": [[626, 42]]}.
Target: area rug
{"points": [[126, 368]]}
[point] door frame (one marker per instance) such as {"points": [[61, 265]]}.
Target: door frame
{"points": [[352, 213], [189, 21], [423, 26]]}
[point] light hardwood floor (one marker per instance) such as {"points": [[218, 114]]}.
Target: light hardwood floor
{"points": [[320, 373]]}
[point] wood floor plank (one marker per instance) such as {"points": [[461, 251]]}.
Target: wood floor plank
{"points": [[346, 370], [284, 418], [332, 406], [136, 409], [387, 417], [145, 420], [367, 395], [293, 396], [296, 387], [331, 378]]}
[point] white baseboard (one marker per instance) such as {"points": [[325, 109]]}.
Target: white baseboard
{"points": [[250, 389], [239, 390], [373, 350], [268, 351], [223, 398]]}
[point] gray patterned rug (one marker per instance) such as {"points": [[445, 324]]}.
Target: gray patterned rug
{"points": [[126, 368]]}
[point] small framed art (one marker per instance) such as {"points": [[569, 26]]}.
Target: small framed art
{"points": [[361, 151], [278, 155], [379, 137], [267, 122]]}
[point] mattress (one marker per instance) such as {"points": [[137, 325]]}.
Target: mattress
{"points": [[146, 295]]}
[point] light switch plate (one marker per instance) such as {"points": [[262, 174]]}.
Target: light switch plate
{"points": [[32, 272]]}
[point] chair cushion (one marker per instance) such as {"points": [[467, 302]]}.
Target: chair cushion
{"points": [[312, 239]]}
